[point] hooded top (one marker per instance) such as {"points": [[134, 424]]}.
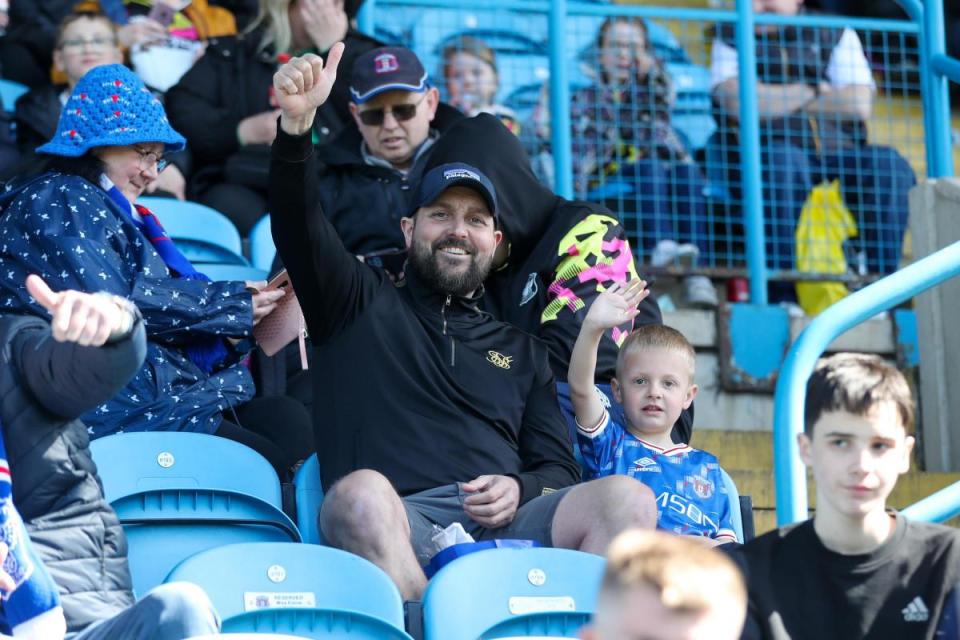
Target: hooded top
{"points": [[562, 253]]}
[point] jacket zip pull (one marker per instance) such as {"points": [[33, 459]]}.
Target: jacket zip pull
{"points": [[443, 313], [453, 344]]}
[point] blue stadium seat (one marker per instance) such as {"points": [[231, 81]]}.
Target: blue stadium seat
{"points": [[178, 493], [503, 593], [9, 92], [736, 516], [232, 272], [309, 495], [203, 234], [302, 589], [262, 249]]}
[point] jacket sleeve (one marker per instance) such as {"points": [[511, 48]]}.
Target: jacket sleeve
{"points": [[332, 285], [544, 446], [593, 255], [69, 380], [73, 242], [195, 110]]}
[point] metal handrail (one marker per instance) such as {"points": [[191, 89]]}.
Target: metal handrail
{"points": [[791, 392]]}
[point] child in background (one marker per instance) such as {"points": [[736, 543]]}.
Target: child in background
{"points": [[470, 73], [29, 602], [654, 383]]}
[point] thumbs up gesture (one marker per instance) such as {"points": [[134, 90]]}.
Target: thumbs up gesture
{"points": [[84, 318]]}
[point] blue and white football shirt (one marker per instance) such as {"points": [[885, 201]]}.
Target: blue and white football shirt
{"points": [[691, 496]]}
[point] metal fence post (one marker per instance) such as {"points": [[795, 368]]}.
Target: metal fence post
{"points": [[560, 102], [751, 176]]}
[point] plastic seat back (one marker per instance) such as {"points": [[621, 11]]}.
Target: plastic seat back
{"points": [[203, 234], [309, 500], [512, 593], [301, 589], [736, 517], [262, 249], [232, 272], [178, 493], [9, 92]]}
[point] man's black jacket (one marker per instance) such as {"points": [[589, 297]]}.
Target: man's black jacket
{"points": [[420, 386]]}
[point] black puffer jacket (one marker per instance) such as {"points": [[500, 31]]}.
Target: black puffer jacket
{"points": [[44, 386], [363, 202]]}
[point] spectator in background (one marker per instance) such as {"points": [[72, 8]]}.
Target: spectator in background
{"points": [[626, 152], [472, 80], [84, 41], [77, 226], [369, 172], [225, 106], [661, 587], [815, 96], [53, 373]]}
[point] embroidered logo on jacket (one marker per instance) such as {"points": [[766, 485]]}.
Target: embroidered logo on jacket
{"points": [[530, 289], [499, 360]]}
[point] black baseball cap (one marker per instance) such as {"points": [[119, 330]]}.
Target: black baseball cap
{"points": [[453, 174], [387, 69]]}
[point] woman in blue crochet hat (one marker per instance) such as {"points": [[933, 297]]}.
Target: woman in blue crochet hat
{"points": [[78, 227]]}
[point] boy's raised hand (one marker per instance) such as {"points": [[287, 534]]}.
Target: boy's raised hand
{"points": [[302, 85], [617, 305]]}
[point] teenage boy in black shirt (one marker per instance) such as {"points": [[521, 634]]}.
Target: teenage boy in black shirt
{"points": [[856, 570]]}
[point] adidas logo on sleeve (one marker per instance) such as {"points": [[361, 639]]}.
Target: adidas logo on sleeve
{"points": [[916, 611]]}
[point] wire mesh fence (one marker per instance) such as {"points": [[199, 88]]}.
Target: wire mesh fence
{"points": [[655, 135]]}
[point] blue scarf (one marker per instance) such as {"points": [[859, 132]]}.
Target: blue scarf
{"points": [[206, 353], [35, 592]]}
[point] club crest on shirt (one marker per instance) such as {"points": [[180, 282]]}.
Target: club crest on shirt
{"points": [[499, 360], [701, 486]]}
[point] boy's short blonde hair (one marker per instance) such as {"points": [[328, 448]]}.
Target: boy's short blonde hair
{"points": [[657, 336], [857, 383], [690, 578]]}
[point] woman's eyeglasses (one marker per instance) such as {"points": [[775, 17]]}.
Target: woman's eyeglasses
{"points": [[150, 158], [401, 113], [93, 43]]}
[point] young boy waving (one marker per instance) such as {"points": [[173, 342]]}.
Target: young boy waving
{"points": [[654, 383]]}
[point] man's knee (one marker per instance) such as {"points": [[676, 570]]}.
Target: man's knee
{"points": [[358, 506], [624, 499], [178, 610]]}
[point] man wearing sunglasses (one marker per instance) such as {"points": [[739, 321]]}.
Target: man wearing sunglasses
{"points": [[368, 172]]}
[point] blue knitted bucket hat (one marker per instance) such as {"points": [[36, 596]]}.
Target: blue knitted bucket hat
{"points": [[110, 106]]}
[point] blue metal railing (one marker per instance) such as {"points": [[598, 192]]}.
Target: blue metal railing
{"points": [[791, 478]]}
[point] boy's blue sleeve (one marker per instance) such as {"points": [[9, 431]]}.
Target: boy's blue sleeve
{"points": [[726, 531], [599, 446]]}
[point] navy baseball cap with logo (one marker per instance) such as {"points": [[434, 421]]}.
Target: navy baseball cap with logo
{"points": [[453, 174], [387, 69]]}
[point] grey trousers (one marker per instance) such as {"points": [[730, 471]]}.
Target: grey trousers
{"points": [[172, 611]]}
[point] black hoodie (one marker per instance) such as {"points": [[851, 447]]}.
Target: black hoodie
{"points": [[562, 253], [423, 387]]}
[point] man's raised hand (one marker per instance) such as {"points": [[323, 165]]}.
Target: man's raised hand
{"points": [[302, 85]]}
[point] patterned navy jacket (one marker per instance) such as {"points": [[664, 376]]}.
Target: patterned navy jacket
{"points": [[73, 235]]}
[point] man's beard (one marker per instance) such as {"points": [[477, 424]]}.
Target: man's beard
{"points": [[425, 262]]}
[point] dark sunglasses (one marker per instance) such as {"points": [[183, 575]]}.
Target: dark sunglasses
{"points": [[401, 112]]}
